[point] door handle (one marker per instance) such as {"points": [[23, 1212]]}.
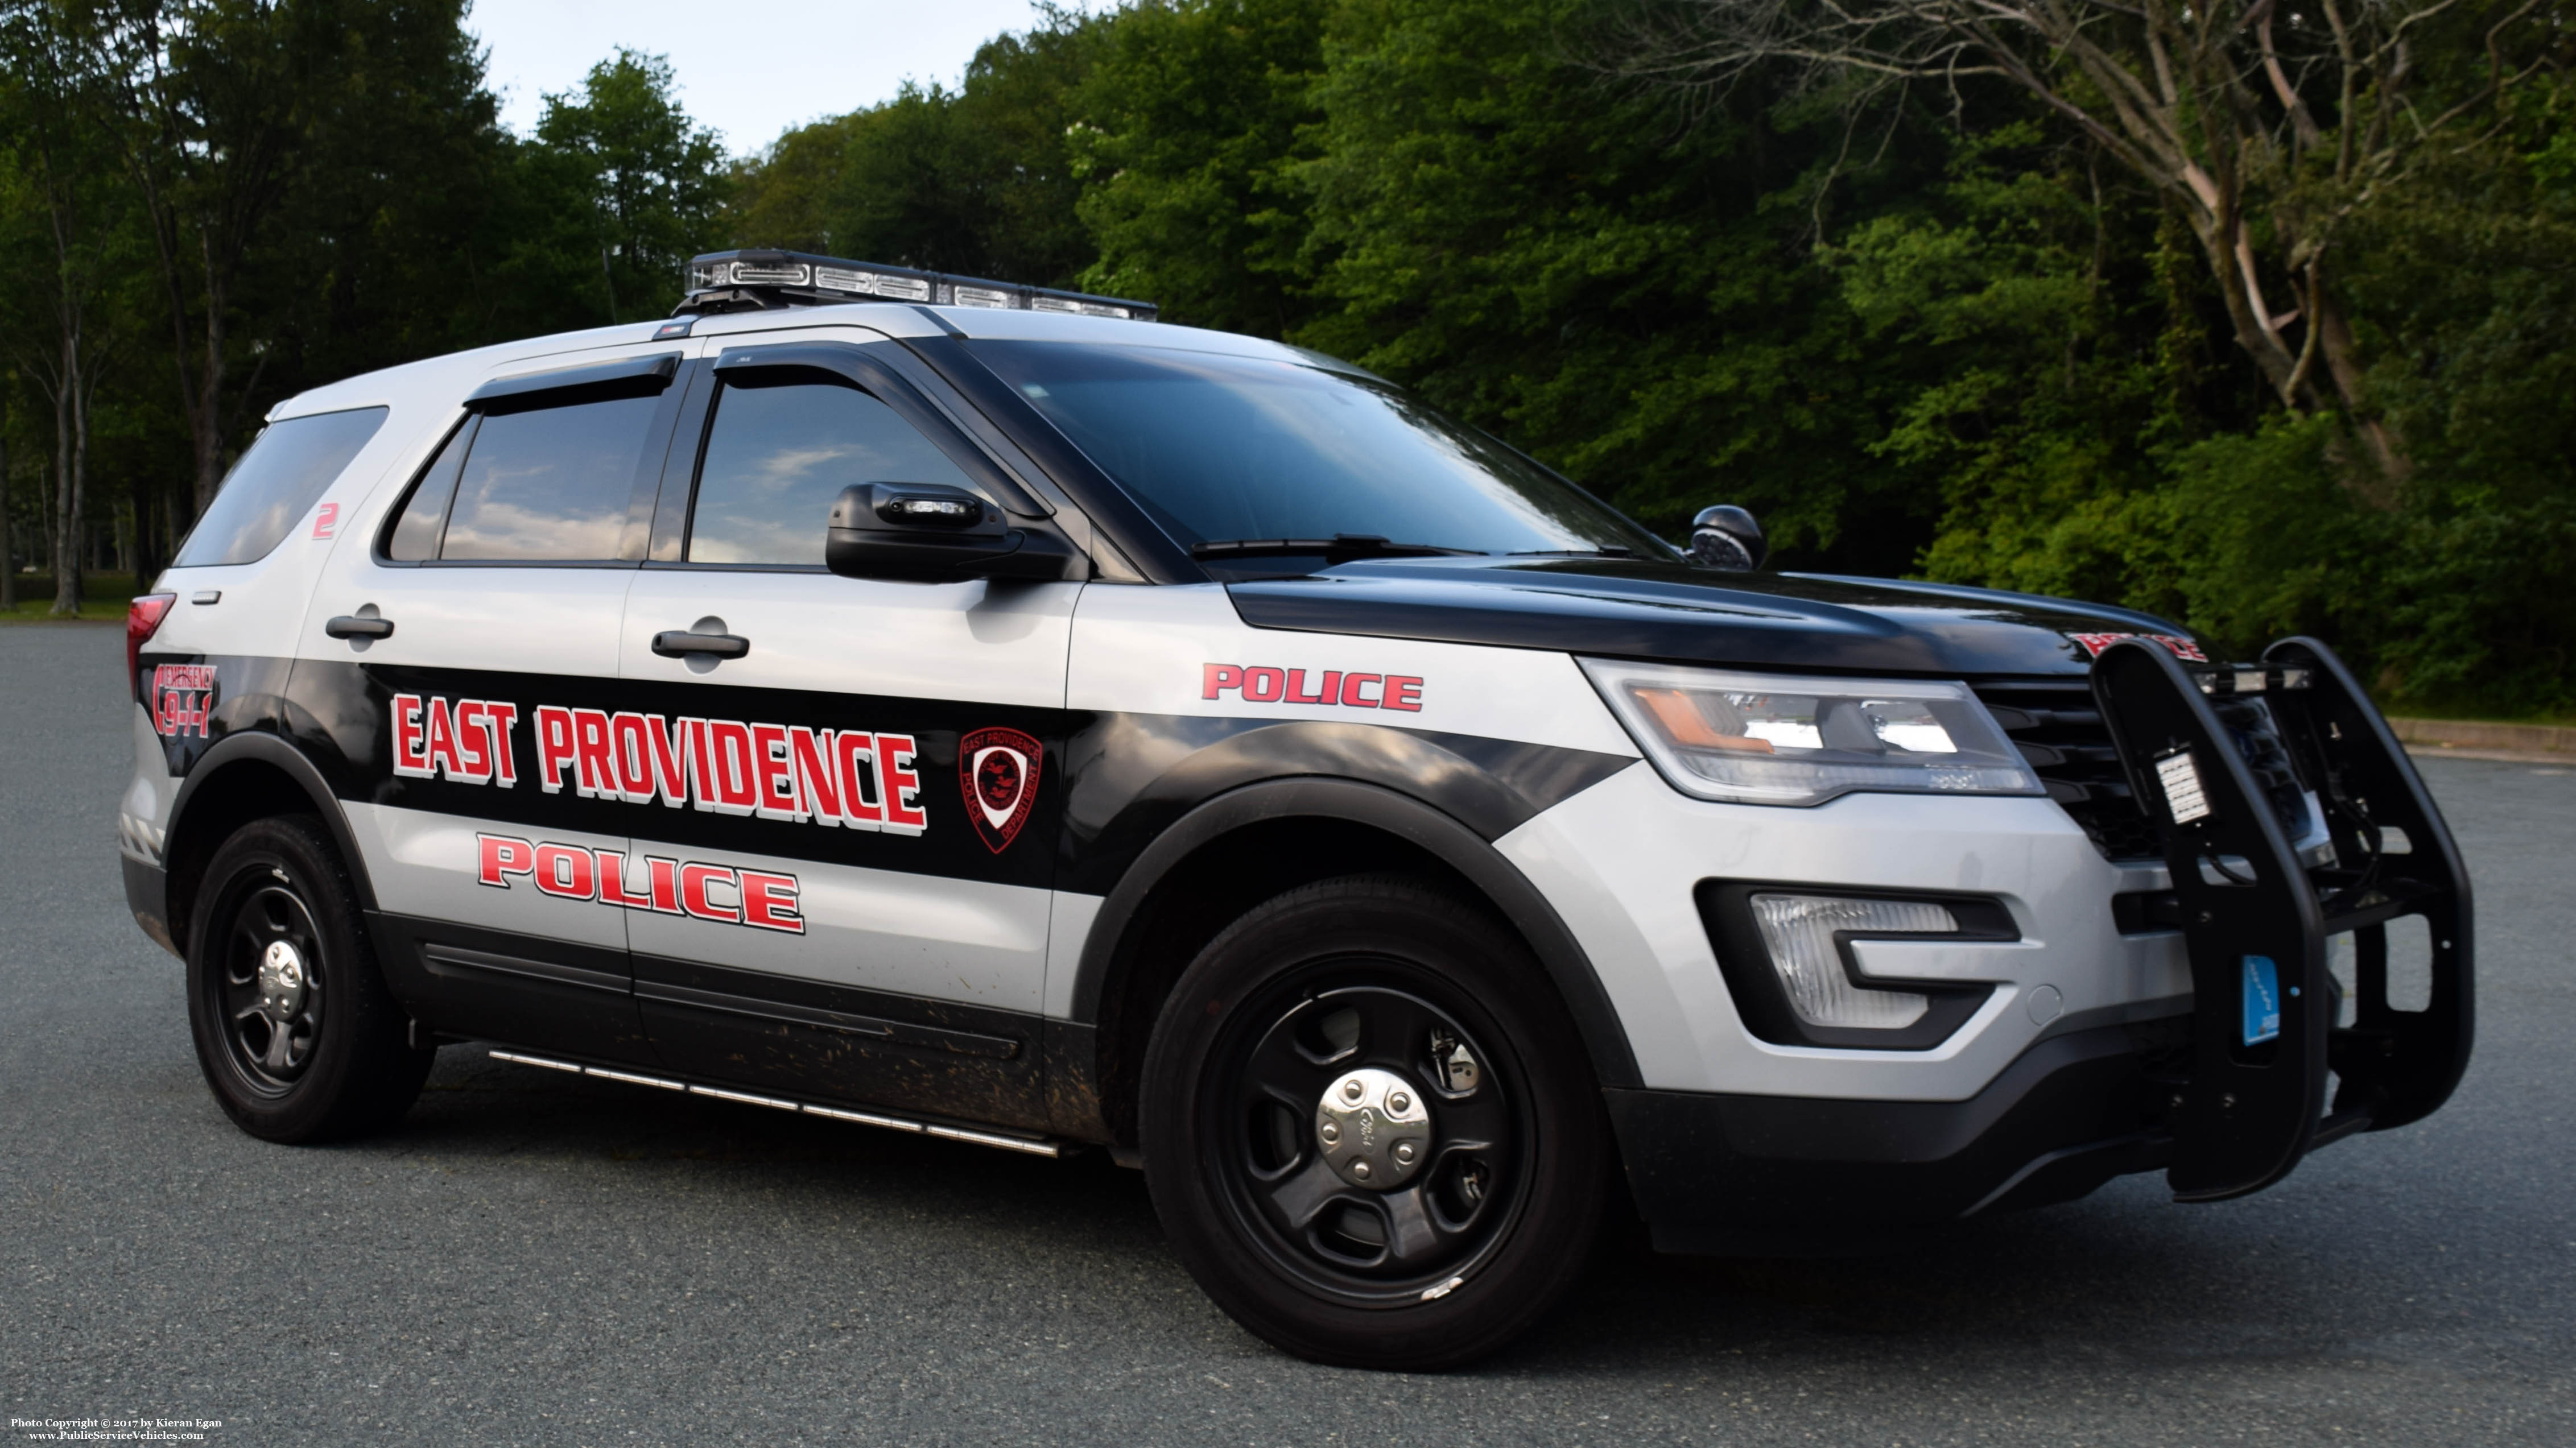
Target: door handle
{"points": [[350, 626], [680, 643]]}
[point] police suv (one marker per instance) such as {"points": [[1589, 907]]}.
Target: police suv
{"points": [[971, 709]]}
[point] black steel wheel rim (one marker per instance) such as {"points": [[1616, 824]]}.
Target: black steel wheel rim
{"points": [[267, 985], [1365, 1246]]}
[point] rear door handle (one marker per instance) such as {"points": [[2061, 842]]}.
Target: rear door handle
{"points": [[350, 626], [680, 643]]}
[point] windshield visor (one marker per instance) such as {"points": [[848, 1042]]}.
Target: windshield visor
{"points": [[1226, 449]]}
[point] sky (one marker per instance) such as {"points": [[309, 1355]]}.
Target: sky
{"points": [[782, 66]]}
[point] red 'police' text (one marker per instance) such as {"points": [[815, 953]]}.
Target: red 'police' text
{"points": [[1262, 684], [666, 886]]}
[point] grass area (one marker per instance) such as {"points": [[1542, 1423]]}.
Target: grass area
{"points": [[103, 598], [2408, 710]]}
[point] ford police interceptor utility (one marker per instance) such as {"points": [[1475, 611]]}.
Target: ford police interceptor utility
{"points": [[984, 711]]}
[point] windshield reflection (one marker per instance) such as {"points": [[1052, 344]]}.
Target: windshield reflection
{"points": [[1223, 448]]}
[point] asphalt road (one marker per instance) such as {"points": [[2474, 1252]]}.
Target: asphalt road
{"points": [[537, 1260]]}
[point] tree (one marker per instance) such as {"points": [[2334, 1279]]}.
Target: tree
{"points": [[52, 83], [651, 179], [2267, 131], [1194, 122], [980, 180], [214, 103], [1633, 299], [382, 249]]}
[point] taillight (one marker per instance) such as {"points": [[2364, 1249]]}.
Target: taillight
{"points": [[142, 617]]}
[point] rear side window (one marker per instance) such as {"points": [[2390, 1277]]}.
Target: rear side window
{"points": [[424, 515], [778, 455], [285, 471], [547, 485]]}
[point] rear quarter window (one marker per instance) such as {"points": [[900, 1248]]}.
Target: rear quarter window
{"points": [[285, 471]]}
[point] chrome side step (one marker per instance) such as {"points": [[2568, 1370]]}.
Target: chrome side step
{"points": [[1030, 1145]]}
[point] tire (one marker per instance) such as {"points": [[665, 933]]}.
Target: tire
{"points": [[1436, 1259], [294, 1027]]}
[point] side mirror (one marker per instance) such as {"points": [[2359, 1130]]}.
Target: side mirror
{"points": [[934, 533], [1727, 538]]}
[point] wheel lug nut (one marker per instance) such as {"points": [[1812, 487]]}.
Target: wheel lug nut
{"points": [[1332, 1134], [1399, 1103], [1360, 1169], [1404, 1154], [1353, 1091]]}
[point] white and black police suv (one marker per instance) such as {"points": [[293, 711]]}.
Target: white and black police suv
{"points": [[985, 711]]}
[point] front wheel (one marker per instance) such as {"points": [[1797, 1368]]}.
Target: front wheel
{"points": [[294, 1027], [1368, 1130]]}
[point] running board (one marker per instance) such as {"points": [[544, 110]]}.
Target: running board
{"points": [[1028, 1145]]}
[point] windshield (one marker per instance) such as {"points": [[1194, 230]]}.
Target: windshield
{"points": [[1222, 449]]}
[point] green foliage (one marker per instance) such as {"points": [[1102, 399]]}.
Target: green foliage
{"points": [[1193, 130], [1629, 293], [1951, 342], [620, 166], [979, 180]]}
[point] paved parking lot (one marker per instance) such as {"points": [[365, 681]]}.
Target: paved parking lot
{"points": [[547, 1261]]}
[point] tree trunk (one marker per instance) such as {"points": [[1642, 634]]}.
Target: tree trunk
{"points": [[2292, 380], [206, 418], [8, 555], [71, 459], [146, 558], [2343, 364]]}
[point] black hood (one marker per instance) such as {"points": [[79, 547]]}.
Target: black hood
{"points": [[1639, 608]]}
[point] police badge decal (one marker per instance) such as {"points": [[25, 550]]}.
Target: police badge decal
{"points": [[998, 769]]}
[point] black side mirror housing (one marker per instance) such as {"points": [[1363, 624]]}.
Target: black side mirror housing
{"points": [[1728, 539], [934, 533]]}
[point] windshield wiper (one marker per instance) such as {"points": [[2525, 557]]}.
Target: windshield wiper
{"points": [[1341, 547], [1615, 550]]}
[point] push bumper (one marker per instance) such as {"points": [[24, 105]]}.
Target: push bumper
{"points": [[2270, 1039]]}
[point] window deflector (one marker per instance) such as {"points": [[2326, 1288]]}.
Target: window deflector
{"points": [[876, 380], [627, 376], [633, 377]]}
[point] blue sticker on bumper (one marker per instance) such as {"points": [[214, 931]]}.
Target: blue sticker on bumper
{"points": [[2262, 1000]]}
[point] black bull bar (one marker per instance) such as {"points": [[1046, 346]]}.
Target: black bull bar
{"points": [[2256, 917]]}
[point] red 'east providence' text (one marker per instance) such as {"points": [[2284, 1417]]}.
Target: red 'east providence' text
{"points": [[852, 778], [1262, 684]]}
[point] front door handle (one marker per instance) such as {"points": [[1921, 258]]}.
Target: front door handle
{"points": [[680, 643], [351, 626]]}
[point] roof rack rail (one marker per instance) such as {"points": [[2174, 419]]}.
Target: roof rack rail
{"points": [[751, 281]]}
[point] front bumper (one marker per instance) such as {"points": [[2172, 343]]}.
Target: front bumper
{"points": [[1770, 1174], [1623, 860]]}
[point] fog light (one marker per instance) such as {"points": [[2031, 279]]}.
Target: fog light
{"points": [[1805, 934]]}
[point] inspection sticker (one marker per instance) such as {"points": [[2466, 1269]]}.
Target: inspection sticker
{"points": [[2262, 1000]]}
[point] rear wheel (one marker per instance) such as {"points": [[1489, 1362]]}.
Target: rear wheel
{"points": [[1368, 1130], [294, 1027]]}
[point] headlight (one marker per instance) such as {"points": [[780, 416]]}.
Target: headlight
{"points": [[1774, 739]]}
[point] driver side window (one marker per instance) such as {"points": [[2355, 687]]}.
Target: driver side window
{"points": [[776, 457]]}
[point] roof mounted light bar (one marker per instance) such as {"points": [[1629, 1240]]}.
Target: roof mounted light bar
{"points": [[748, 281]]}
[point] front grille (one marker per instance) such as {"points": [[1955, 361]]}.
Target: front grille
{"points": [[2060, 732]]}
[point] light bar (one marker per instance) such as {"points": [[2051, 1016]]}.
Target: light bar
{"points": [[739, 281]]}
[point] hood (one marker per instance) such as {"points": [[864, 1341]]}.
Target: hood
{"points": [[1648, 609]]}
